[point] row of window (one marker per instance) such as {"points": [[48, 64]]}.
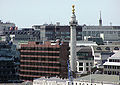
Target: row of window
{"points": [[40, 53], [87, 64], [107, 48], [81, 69], [51, 32], [40, 69], [80, 84], [112, 67], [40, 64], [114, 60], [111, 72], [39, 59], [7, 78], [27, 78], [82, 54], [86, 33], [40, 48], [85, 58], [37, 73]]}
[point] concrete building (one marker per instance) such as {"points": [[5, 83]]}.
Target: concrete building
{"points": [[103, 52], [53, 32], [24, 34], [46, 59], [85, 59], [27, 34], [5, 26], [108, 33], [112, 66]]}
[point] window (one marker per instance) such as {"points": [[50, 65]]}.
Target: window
{"points": [[80, 64], [91, 64], [116, 48], [105, 72], [87, 64], [105, 66], [80, 69], [98, 48], [107, 48], [87, 69]]}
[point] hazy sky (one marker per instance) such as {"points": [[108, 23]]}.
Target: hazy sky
{"points": [[25, 13]]}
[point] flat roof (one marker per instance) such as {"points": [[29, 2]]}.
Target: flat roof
{"points": [[100, 78]]}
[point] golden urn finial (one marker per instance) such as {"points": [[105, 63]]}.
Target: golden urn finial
{"points": [[73, 9]]}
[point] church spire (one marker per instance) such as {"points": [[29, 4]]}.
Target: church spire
{"points": [[100, 20]]}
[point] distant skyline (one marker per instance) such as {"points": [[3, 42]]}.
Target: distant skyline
{"points": [[25, 13]]}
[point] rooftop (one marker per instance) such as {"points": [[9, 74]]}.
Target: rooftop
{"points": [[51, 79], [116, 55], [112, 63], [100, 78]]}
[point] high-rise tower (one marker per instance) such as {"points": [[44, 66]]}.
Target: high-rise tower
{"points": [[73, 23], [100, 20]]}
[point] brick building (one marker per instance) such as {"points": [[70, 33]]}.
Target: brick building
{"points": [[44, 60]]}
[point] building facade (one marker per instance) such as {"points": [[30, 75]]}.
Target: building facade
{"points": [[112, 66], [44, 60], [53, 32], [103, 52], [25, 34], [9, 63], [5, 26], [108, 33], [85, 59]]}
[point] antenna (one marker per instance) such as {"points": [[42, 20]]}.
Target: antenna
{"points": [[100, 20]]}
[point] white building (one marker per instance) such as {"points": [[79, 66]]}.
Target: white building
{"points": [[108, 33], [49, 81], [85, 59], [103, 52], [112, 66]]}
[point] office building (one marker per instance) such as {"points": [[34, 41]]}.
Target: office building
{"points": [[27, 34], [108, 33], [46, 59], [9, 63], [53, 32]]}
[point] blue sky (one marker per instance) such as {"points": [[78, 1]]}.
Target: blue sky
{"points": [[25, 13]]}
